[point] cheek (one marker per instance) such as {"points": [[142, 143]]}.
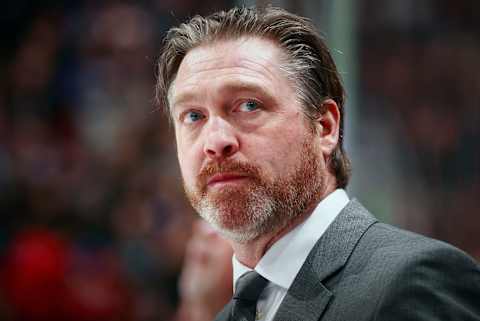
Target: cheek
{"points": [[183, 157], [284, 153], [186, 166], [189, 161], [270, 153]]}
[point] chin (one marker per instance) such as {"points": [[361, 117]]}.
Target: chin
{"points": [[239, 220]]}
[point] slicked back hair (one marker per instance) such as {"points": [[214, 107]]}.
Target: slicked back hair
{"points": [[308, 64]]}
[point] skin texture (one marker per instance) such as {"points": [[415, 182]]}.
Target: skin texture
{"points": [[240, 131]]}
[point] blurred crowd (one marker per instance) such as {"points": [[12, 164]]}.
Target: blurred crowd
{"points": [[94, 222], [419, 113]]}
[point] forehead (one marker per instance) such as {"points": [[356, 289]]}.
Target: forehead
{"points": [[228, 53], [247, 61]]}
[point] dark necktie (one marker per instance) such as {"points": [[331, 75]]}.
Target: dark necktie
{"points": [[247, 291]]}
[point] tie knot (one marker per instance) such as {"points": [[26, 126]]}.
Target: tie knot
{"points": [[249, 286]]}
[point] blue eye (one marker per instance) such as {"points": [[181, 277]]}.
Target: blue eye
{"points": [[193, 116], [249, 105]]}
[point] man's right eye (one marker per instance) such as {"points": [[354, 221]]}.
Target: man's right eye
{"points": [[193, 116]]}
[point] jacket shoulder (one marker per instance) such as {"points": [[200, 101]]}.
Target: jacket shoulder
{"points": [[401, 244], [407, 276]]}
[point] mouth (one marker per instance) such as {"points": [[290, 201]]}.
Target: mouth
{"points": [[225, 178]]}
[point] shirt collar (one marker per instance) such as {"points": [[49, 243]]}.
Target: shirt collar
{"points": [[282, 262]]}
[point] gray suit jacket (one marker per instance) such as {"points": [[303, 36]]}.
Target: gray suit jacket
{"points": [[361, 269]]}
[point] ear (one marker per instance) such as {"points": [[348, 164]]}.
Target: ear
{"points": [[328, 126]]}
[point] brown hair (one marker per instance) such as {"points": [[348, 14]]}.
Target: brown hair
{"points": [[309, 63]]}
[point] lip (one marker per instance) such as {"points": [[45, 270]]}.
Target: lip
{"points": [[225, 178]]}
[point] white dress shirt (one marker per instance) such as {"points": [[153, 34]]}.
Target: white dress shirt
{"points": [[282, 262]]}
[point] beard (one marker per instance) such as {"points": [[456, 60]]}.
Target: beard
{"points": [[260, 205]]}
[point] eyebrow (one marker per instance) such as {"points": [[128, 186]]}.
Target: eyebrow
{"points": [[228, 87]]}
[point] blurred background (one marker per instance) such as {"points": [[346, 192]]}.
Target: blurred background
{"points": [[94, 223]]}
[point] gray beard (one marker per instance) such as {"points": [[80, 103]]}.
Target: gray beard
{"points": [[244, 213]]}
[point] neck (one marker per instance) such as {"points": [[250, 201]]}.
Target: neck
{"points": [[250, 253]]}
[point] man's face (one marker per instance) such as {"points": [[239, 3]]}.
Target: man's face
{"points": [[248, 156]]}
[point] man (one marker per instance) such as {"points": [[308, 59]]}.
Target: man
{"points": [[257, 105]]}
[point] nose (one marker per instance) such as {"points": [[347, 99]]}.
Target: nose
{"points": [[221, 141]]}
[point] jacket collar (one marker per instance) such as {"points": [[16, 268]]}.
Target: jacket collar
{"points": [[308, 297]]}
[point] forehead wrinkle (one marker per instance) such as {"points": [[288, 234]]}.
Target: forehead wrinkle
{"points": [[242, 83], [244, 66], [238, 75]]}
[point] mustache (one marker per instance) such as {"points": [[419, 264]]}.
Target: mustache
{"points": [[237, 167]]}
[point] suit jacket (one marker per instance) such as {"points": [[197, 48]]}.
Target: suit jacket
{"points": [[361, 269]]}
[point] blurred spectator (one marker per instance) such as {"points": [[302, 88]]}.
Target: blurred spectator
{"points": [[34, 276], [206, 281], [45, 278]]}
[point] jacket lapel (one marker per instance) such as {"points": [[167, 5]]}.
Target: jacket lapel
{"points": [[308, 297]]}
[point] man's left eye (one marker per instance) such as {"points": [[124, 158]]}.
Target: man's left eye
{"points": [[249, 105]]}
